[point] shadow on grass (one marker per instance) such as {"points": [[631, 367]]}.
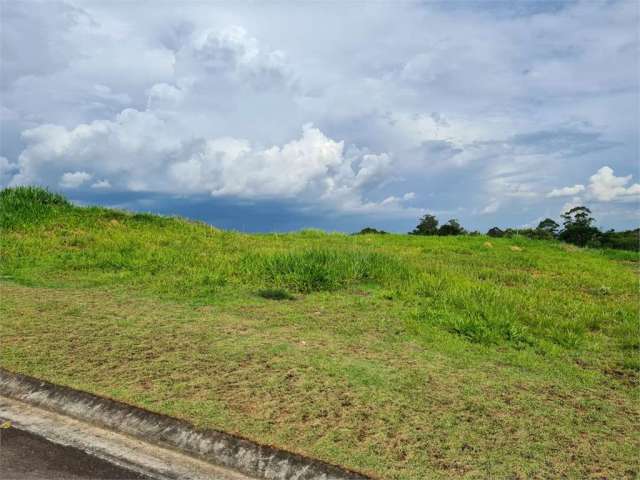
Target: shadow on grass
{"points": [[275, 294]]}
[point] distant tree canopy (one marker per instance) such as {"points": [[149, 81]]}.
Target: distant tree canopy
{"points": [[577, 228], [369, 230], [546, 230], [452, 227], [428, 225], [625, 240], [532, 233], [549, 225]]}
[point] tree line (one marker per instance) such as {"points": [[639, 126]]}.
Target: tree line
{"points": [[577, 228]]}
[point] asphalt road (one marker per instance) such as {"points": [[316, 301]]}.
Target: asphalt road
{"points": [[24, 456]]}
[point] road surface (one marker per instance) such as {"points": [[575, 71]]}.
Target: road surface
{"points": [[24, 456]]}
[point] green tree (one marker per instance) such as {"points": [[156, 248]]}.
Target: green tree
{"points": [[578, 226], [452, 227], [428, 225], [549, 225]]}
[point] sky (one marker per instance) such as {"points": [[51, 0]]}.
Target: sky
{"points": [[277, 116]]}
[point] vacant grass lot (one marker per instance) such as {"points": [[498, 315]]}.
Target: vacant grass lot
{"points": [[403, 357]]}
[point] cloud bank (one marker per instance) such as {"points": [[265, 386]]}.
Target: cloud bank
{"points": [[384, 112], [140, 152]]}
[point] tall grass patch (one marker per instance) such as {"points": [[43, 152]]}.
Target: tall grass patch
{"points": [[479, 313], [323, 269], [22, 206]]}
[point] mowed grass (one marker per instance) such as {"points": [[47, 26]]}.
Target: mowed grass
{"points": [[403, 357]]}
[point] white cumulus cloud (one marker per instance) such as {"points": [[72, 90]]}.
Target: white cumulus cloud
{"points": [[566, 191], [232, 53], [142, 151], [74, 179], [606, 187], [603, 186]]}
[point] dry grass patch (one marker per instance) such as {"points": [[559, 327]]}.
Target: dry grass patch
{"points": [[303, 377]]}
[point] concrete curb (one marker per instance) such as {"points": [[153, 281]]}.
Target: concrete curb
{"points": [[219, 448]]}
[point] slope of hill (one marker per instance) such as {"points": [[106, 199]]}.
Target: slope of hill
{"points": [[404, 357]]}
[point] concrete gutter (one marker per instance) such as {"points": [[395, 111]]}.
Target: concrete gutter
{"points": [[149, 460], [228, 453]]}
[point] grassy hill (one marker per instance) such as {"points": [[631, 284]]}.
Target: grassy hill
{"points": [[404, 357]]}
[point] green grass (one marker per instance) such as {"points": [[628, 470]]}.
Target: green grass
{"points": [[24, 205], [404, 357]]}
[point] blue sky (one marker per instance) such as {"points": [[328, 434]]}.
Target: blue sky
{"points": [[278, 116]]}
